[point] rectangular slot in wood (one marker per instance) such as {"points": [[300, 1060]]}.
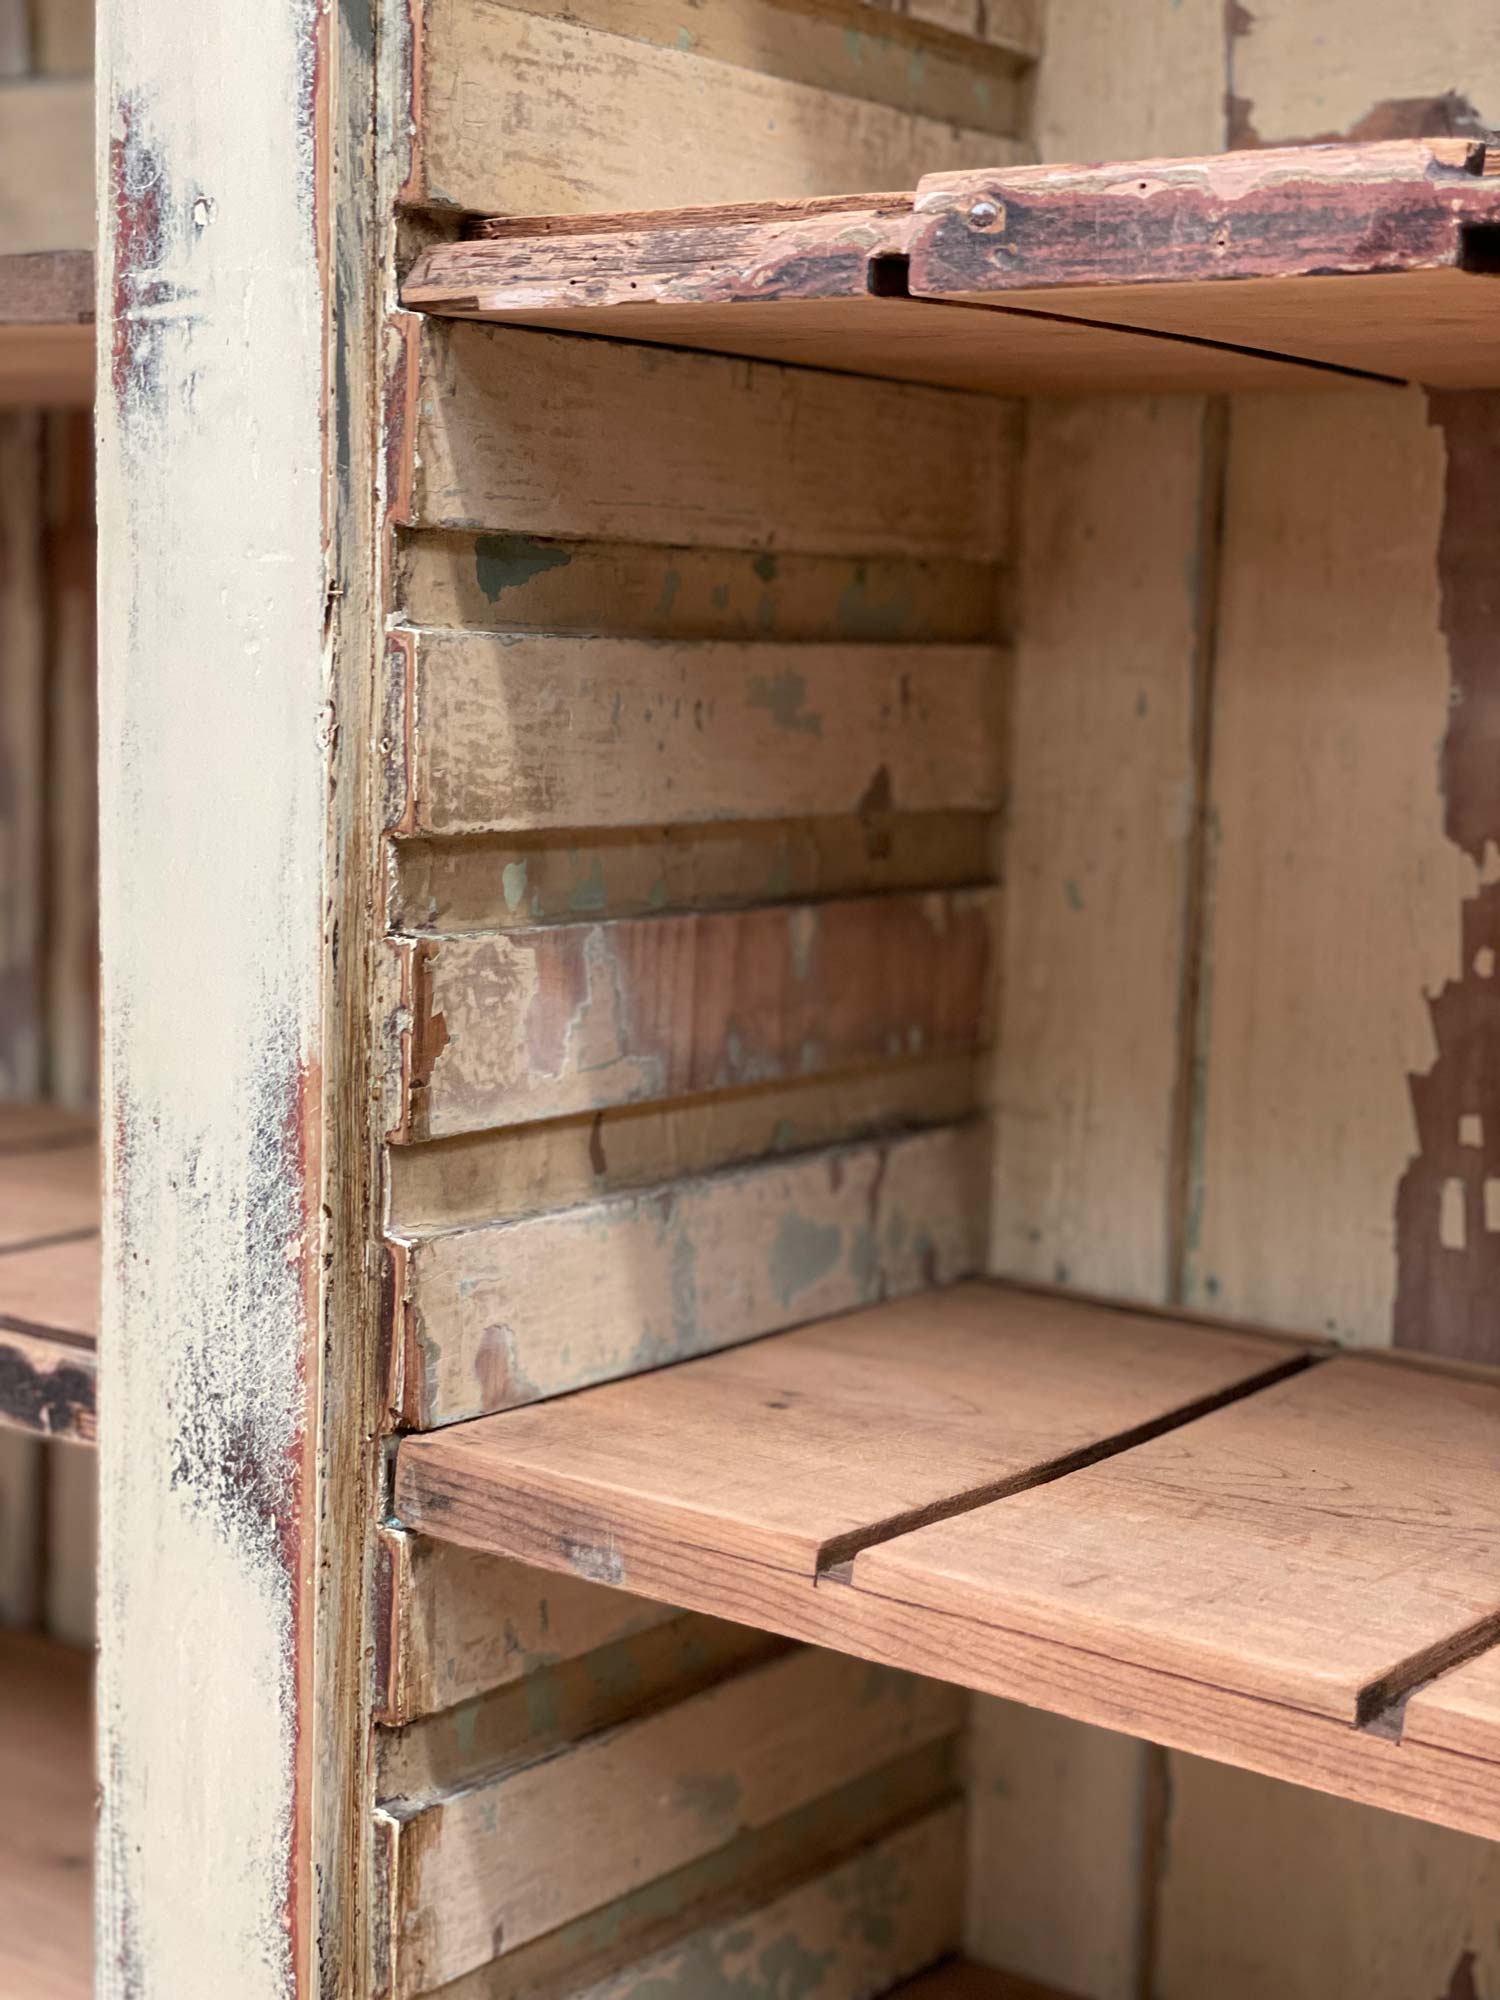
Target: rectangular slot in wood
{"points": [[1234, 1580], [1292, 267]]}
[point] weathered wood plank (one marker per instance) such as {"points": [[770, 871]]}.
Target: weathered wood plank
{"points": [[528, 1169], [521, 733], [756, 1868], [523, 582], [639, 126], [22, 755], [503, 1862], [567, 1018], [493, 1318], [1334, 894], [508, 881], [1097, 845], [458, 1623], [64, 33], [890, 1907], [793, 1454], [534, 433]]}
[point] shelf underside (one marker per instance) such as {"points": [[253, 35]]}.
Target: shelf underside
{"points": [[46, 329], [47, 1825], [1309, 267], [1218, 1540], [49, 1271]]}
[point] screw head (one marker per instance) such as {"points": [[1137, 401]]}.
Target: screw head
{"points": [[987, 213]]}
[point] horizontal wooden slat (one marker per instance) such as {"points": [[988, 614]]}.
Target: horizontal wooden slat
{"points": [[524, 582], [458, 1623], [488, 1177], [1460, 1710], [506, 881], [544, 1023], [638, 125], [756, 1868], [48, 1191], [47, 1835], [789, 1455], [904, 1895], [550, 732], [493, 1318], [555, 437], [1261, 1584], [500, 1863]]}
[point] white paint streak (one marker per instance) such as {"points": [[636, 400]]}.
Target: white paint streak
{"points": [[213, 783]]}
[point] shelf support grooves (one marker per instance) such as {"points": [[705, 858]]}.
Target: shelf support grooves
{"points": [[836, 1557]]}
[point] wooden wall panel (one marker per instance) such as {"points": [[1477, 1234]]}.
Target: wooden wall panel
{"points": [[748, 102], [504, 1862], [567, 1018], [1270, 1889], [511, 732], [500, 1316], [547, 435]]}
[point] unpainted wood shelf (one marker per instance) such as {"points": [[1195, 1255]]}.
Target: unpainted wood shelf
{"points": [[1260, 1551], [1310, 267], [49, 1271], [47, 1826], [47, 329]]}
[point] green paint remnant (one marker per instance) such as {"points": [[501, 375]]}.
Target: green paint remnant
{"points": [[656, 895], [864, 1261], [513, 883], [685, 40], [505, 562], [783, 695], [590, 895], [712, 1797], [766, 565], [543, 1703], [854, 47], [861, 616], [719, 597], [466, 1728], [783, 1134], [803, 1253], [983, 92], [614, 1670], [1073, 893], [916, 67], [671, 583], [684, 1278]]}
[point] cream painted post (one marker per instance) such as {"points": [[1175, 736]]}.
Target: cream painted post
{"points": [[235, 486]]}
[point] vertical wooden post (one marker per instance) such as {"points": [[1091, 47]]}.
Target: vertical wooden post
{"points": [[234, 478]]}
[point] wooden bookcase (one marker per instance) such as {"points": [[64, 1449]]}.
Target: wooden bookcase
{"points": [[797, 1186]]}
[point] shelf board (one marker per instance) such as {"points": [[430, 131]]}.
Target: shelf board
{"points": [[1215, 1539], [1299, 267], [49, 1271], [47, 328], [1460, 1710], [47, 1827]]}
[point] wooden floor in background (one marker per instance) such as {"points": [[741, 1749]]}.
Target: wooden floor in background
{"points": [[47, 1822]]}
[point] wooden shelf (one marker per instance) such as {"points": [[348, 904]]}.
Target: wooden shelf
{"points": [[49, 1271], [1305, 267], [1218, 1540], [47, 1826], [47, 329]]}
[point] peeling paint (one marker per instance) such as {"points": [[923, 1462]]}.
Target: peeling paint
{"points": [[506, 562]]}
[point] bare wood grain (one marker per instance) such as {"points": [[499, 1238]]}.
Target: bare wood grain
{"points": [[566, 1018], [1460, 1710]]}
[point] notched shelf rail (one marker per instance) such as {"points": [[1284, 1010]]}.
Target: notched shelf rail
{"points": [[1242, 271], [1229, 1543]]}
